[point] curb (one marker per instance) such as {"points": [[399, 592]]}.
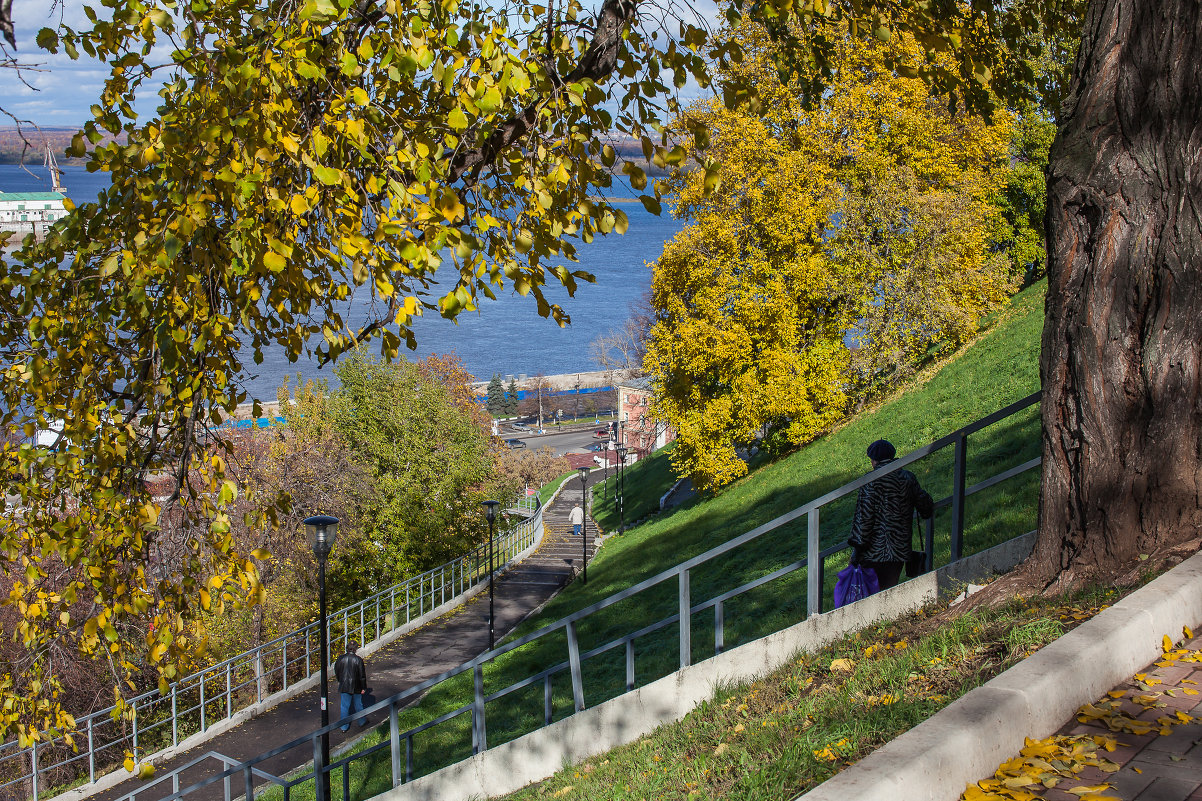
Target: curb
{"points": [[967, 740]]}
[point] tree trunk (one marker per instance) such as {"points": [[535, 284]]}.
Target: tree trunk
{"points": [[1122, 404]]}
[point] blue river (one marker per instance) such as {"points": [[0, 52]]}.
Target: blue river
{"points": [[505, 336]]}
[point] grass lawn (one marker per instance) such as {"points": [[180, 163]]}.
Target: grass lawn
{"points": [[1001, 367], [782, 735], [645, 483]]}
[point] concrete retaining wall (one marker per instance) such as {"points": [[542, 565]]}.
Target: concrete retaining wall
{"points": [[621, 720]]}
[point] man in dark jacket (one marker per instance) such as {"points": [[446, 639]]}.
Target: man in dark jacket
{"points": [[352, 683], [881, 530]]}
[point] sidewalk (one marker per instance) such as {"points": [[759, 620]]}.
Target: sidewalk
{"points": [[1147, 736], [432, 649]]}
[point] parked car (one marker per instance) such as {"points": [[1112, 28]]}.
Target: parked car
{"points": [[519, 426], [601, 433], [515, 443]]}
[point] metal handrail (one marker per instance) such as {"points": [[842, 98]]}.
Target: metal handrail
{"points": [[261, 676], [400, 742]]}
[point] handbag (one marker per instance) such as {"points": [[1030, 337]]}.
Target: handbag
{"points": [[855, 583], [916, 565]]}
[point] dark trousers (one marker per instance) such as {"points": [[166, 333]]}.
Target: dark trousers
{"points": [[887, 573]]}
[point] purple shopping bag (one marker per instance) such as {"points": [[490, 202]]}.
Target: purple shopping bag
{"points": [[855, 582]]}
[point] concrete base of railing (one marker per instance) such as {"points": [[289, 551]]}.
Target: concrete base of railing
{"points": [[538, 755], [967, 741], [238, 718]]}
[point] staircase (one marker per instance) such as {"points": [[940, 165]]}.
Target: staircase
{"points": [[560, 556]]}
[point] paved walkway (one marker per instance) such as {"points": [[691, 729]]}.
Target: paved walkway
{"points": [[438, 646], [1154, 723]]}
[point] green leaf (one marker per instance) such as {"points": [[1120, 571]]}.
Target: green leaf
{"points": [[48, 40], [327, 175], [491, 100]]}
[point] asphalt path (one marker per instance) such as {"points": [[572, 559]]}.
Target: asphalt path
{"points": [[559, 443]]}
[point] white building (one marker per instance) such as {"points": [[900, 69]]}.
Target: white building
{"points": [[26, 212]]}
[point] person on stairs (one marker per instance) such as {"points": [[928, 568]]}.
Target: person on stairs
{"points": [[576, 518], [352, 683], [881, 536]]}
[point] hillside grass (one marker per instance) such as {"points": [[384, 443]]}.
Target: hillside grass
{"points": [[784, 734], [643, 484], [999, 368]]}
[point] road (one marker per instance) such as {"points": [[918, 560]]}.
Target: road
{"points": [[566, 442]]}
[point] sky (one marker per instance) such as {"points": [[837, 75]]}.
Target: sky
{"points": [[60, 91]]}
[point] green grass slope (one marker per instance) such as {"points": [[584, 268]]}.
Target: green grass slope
{"points": [[999, 368]]}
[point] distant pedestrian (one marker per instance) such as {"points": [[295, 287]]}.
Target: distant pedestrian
{"points": [[576, 518], [352, 683], [881, 536]]}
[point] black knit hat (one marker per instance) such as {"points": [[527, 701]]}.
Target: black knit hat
{"points": [[881, 450]]}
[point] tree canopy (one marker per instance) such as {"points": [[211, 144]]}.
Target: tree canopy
{"points": [[411, 158], [841, 240]]}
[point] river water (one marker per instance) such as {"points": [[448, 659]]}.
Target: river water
{"points": [[505, 336]]}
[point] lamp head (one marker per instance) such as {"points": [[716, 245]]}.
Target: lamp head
{"points": [[321, 531], [622, 453], [583, 473], [490, 509]]}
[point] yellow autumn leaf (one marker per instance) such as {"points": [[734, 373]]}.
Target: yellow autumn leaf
{"points": [[274, 261], [1166, 644], [842, 665]]}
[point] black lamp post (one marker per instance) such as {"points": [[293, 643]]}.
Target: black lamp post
{"points": [[321, 530], [621, 488], [605, 480], [583, 471], [490, 511]]}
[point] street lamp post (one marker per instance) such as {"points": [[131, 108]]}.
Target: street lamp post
{"points": [[321, 531], [583, 471], [621, 488], [490, 511], [609, 446]]}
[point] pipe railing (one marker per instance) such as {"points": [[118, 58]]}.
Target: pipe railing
{"points": [[400, 741], [268, 673]]}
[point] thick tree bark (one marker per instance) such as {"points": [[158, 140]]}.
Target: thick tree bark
{"points": [[1122, 408]]}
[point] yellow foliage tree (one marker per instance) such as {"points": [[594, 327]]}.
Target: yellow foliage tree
{"points": [[416, 157], [837, 243]]}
